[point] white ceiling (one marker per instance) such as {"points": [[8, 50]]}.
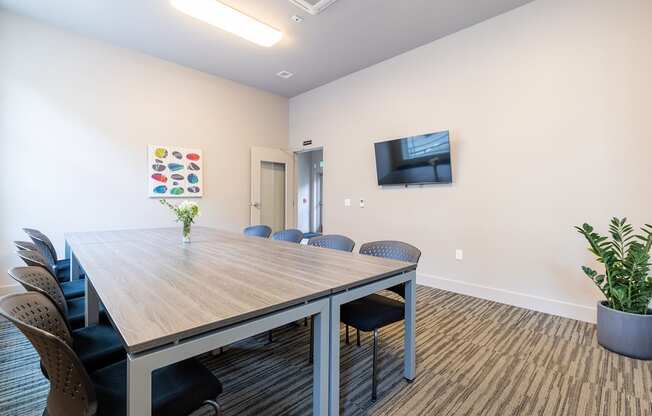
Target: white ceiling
{"points": [[348, 36]]}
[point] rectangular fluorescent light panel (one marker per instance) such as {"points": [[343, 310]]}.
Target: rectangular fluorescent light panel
{"points": [[226, 18]]}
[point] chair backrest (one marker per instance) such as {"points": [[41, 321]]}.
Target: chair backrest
{"points": [[396, 250], [71, 390], [25, 245], [43, 243], [333, 241], [38, 279], [36, 309], [35, 258], [293, 236], [258, 231]]}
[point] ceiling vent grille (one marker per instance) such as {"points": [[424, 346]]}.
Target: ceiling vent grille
{"points": [[285, 74], [313, 6]]}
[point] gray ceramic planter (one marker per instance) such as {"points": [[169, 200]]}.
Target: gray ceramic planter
{"points": [[625, 333]]}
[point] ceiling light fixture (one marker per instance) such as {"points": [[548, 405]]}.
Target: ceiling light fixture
{"points": [[230, 20]]}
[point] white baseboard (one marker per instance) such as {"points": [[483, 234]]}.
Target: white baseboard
{"points": [[522, 300], [7, 289]]}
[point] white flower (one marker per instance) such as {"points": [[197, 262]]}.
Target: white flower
{"points": [[189, 208], [186, 205]]}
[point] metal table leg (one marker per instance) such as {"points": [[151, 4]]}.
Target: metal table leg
{"points": [[92, 304], [340, 298]]}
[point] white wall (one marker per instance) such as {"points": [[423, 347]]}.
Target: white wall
{"points": [[76, 116], [549, 109]]}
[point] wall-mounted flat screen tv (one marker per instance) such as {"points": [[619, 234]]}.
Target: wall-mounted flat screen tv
{"points": [[414, 160]]}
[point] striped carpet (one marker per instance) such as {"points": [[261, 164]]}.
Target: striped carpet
{"points": [[474, 357]]}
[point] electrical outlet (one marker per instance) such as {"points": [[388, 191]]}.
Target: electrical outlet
{"points": [[347, 202], [361, 203], [459, 254]]}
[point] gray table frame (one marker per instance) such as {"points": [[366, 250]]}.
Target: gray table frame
{"points": [[326, 343]]}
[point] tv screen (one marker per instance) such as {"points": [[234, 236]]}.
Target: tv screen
{"points": [[414, 160]]}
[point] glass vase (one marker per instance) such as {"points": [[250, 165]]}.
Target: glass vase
{"points": [[186, 234]]}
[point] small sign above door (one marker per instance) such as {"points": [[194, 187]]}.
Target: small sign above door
{"points": [[307, 142]]}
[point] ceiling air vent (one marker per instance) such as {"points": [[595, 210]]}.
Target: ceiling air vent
{"points": [[313, 6], [285, 74]]}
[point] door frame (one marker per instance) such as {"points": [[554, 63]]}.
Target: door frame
{"points": [[282, 156], [295, 192]]}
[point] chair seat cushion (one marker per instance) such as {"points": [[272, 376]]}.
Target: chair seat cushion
{"points": [[178, 389], [76, 313], [73, 289], [98, 346], [372, 312]]}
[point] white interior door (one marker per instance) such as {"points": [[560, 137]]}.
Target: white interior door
{"points": [[272, 172]]}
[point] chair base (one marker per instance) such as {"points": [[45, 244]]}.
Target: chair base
{"points": [[215, 405]]}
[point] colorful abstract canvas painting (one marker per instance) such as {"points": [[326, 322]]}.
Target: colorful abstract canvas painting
{"points": [[174, 172]]}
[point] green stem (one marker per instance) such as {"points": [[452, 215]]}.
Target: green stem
{"points": [[610, 299]]}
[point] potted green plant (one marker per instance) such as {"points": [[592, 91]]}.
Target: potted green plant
{"points": [[624, 318], [186, 212]]}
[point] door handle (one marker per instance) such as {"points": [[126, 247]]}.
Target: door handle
{"points": [[255, 205]]}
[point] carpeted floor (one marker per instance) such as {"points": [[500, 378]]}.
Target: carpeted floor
{"points": [[474, 357]]}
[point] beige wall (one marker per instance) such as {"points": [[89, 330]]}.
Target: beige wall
{"points": [[76, 116], [549, 109]]}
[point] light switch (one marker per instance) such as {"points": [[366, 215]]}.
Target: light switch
{"points": [[459, 254], [347, 202]]}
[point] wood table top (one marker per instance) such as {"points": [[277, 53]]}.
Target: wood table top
{"points": [[158, 290]]}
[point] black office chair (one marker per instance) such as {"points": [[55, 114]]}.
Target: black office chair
{"points": [[96, 346], [61, 267], [178, 389], [293, 236], [37, 279], [258, 231], [334, 242], [71, 288], [375, 311]]}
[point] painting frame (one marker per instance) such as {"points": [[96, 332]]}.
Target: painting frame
{"points": [[174, 172]]}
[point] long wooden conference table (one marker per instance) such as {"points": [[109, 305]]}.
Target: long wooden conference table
{"points": [[170, 301]]}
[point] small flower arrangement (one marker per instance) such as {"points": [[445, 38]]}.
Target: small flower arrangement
{"points": [[186, 213]]}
